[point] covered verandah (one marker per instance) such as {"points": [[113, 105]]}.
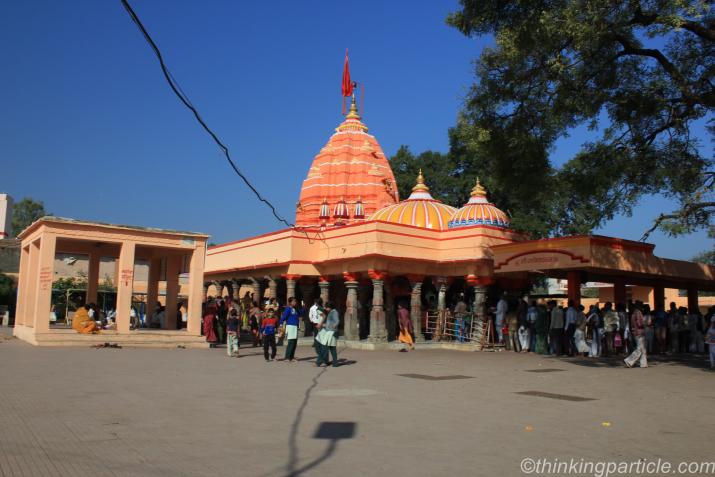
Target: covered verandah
{"points": [[581, 259], [170, 253]]}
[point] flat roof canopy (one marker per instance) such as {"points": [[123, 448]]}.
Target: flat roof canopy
{"points": [[602, 259]]}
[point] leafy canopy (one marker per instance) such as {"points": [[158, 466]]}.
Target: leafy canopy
{"points": [[25, 212], [638, 74]]}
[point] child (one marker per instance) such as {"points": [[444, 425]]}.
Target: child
{"points": [[268, 330], [710, 340], [232, 326]]}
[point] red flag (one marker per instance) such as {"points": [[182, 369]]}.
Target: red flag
{"points": [[347, 84]]}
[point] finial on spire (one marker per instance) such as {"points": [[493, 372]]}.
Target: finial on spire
{"points": [[479, 190], [353, 114], [420, 186]]}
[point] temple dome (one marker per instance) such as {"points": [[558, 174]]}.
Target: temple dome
{"points": [[478, 211], [350, 174], [420, 209]]}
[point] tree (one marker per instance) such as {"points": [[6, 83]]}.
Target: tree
{"points": [[7, 289], [638, 74], [707, 257], [25, 212]]}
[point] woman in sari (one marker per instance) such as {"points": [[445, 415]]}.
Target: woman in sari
{"points": [[406, 330], [82, 323], [208, 325]]}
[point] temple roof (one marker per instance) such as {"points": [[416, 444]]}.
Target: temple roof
{"points": [[479, 211], [351, 167], [420, 209]]}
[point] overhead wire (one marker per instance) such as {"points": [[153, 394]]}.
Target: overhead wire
{"points": [[185, 100]]}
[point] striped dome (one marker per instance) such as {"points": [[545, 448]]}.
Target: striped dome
{"points": [[420, 209], [478, 211]]}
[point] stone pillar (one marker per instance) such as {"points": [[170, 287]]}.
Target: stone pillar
{"points": [[574, 286], [256, 290], [416, 309], [619, 291], [196, 290], [377, 315], [480, 297], [324, 285], [290, 286], [93, 278], [219, 288], [351, 310], [173, 267], [43, 295], [272, 289], [441, 295], [692, 299], [235, 290], [125, 285]]}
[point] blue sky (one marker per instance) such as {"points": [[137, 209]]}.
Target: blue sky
{"points": [[90, 127]]}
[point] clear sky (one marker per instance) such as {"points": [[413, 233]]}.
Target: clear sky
{"points": [[90, 127]]}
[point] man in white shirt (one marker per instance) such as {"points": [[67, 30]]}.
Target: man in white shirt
{"points": [[315, 315], [570, 325]]}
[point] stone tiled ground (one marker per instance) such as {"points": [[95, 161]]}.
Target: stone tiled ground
{"points": [[129, 412]]}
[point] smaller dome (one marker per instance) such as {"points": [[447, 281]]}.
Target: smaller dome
{"points": [[478, 211], [420, 209]]}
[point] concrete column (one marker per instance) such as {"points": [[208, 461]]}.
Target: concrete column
{"points": [[93, 278], [125, 285], [272, 289], [324, 289], [235, 290], [23, 284], [173, 267], [377, 315], [43, 296], [619, 291], [196, 294], [351, 311], [32, 283], [574, 286], [152, 287], [692, 299], [416, 310], [658, 296]]}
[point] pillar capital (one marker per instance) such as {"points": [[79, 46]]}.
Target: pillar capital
{"points": [[291, 276], [415, 278], [474, 280], [351, 276], [377, 274]]}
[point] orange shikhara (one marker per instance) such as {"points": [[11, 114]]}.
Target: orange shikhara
{"points": [[350, 169]]}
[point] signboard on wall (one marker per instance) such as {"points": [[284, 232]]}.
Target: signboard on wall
{"points": [[538, 260]]}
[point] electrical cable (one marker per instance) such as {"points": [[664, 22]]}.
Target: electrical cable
{"points": [[184, 99]]}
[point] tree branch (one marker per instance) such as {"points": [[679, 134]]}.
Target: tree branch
{"points": [[682, 214]]}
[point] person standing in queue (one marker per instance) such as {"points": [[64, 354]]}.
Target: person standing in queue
{"points": [[268, 332], [291, 318]]}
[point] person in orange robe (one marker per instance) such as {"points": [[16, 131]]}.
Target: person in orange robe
{"points": [[406, 329], [82, 323]]}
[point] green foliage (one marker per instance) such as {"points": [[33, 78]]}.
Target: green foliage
{"points": [[25, 212], [6, 289], [638, 74], [707, 257]]}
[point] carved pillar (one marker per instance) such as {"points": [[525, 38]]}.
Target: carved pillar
{"points": [[235, 290], [324, 285], [272, 288], [480, 297], [416, 309], [377, 314], [219, 288], [351, 309], [441, 294], [256, 290], [290, 286]]}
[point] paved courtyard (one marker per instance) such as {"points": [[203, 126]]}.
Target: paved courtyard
{"points": [[129, 412]]}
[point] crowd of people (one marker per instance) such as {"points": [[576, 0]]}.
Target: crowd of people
{"points": [[225, 321], [631, 330]]}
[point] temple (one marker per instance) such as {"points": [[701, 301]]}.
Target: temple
{"points": [[355, 243]]}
